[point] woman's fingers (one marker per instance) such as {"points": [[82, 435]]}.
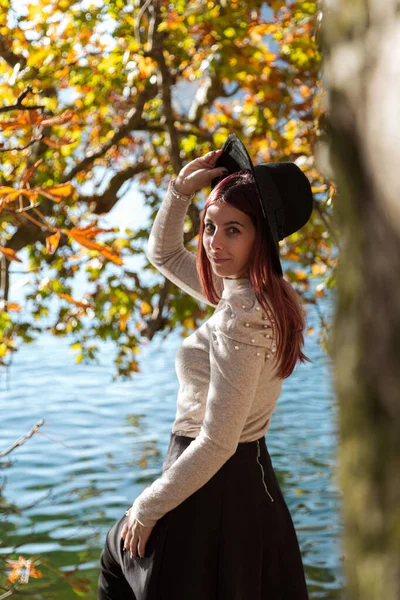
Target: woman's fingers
{"points": [[133, 542]]}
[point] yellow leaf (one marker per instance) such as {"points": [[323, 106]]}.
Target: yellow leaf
{"points": [[145, 308], [229, 32]]}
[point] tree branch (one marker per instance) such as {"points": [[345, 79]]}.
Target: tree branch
{"points": [[23, 439], [103, 203], [8, 55], [132, 121], [164, 81]]}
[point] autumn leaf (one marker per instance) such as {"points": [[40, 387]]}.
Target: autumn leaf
{"points": [[145, 308], [22, 569], [69, 298], [65, 117], [301, 275], [292, 256], [13, 306], [29, 172], [56, 144], [123, 320], [10, 254], [90, 231], [52, 242], [56, 192], [134, 366], [88, 243]]}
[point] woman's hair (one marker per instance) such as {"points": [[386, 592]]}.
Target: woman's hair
{"points": [[239, 190]]}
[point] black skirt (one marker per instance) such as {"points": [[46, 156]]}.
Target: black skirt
{"points": [[233, 539]]}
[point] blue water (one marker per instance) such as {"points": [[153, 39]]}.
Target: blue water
{"points": [[104, 441]]}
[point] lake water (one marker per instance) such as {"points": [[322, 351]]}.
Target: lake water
{"points": [[104, 441]]}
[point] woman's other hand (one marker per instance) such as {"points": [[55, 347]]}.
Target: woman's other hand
{"points": [[199, 173], [135, 536]]}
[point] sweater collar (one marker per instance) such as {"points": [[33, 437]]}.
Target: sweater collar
{"points": [[234, 285]]}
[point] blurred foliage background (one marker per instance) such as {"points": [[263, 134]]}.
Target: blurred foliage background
{"points": [[99, 98]]}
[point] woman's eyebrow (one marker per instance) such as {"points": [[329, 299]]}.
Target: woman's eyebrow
{"points": [[208, 220]]}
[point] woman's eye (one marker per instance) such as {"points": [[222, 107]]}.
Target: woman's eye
{"points": [[210, 227]]}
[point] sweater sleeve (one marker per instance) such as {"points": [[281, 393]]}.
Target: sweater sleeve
{"points": [[239, 346], [166, 250]]}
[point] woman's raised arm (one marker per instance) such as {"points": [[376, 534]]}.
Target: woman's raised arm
{"points": [[165, 249]]}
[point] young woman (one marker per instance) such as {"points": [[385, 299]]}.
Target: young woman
{"points": [[215, 525]]}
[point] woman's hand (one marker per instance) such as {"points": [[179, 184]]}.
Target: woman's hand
{"points": [[199, 173], [135, 536]]}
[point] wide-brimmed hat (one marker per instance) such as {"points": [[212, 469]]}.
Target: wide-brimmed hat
{"points": [[283, 189]]}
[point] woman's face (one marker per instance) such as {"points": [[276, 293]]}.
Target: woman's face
{"points": [[228, 234]]}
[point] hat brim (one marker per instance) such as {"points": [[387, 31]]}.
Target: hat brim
{"points": [[235, 158]]}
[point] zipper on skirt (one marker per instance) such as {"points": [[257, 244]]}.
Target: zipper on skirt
{"points": [[262, 471]]}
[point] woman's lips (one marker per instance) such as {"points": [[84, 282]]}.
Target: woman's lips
{"points": [[219, 261]]}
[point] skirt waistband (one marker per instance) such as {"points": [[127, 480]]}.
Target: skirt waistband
{"points": [[243, 448]]}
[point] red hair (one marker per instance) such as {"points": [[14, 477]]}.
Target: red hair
{"points": [[239, 190]]}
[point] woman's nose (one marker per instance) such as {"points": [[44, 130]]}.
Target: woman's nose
{"points": [[216, 242]]}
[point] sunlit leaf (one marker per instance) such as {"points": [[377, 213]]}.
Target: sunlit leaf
{"points": [[68, 298], [10, 254], [52, 242]]}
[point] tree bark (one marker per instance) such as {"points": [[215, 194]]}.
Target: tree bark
{"points": [[361, 44]]}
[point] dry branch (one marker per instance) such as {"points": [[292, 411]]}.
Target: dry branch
{"points": [[23, 439]]}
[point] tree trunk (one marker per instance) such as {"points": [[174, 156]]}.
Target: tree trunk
{"points": [[361, 44]]}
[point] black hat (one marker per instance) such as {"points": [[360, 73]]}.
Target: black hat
{"points": [[283, 189]]}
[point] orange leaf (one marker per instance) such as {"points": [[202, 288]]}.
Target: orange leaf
{"points": [[13, 306], [69, 298], [109, 254], [134, 366], [28, 174], [52, 242], [56, 192], [292, 256], [22, 569], [60, 119], [10, 254], [89, 232], [122, 321], [87, 243], [301, 275]]}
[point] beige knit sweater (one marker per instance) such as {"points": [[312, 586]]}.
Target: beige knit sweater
{"points": [[226, 370]]}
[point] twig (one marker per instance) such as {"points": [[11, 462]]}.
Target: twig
{"points": [[18, 105], [19, 148], [23, 439]]}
